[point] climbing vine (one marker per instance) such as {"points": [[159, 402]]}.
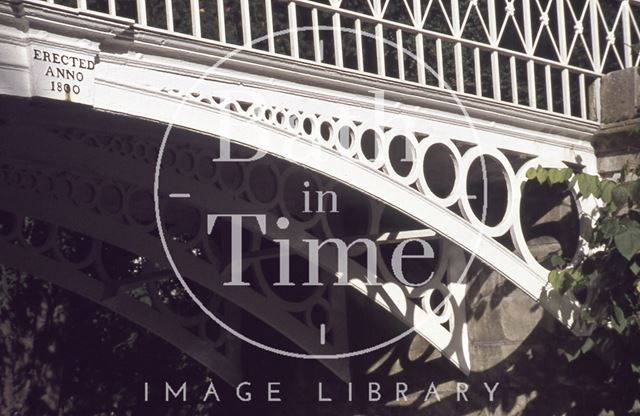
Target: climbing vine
{"points": [[606, 279]]}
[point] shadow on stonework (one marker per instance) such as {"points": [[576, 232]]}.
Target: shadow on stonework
{"points": [[534, 378]]}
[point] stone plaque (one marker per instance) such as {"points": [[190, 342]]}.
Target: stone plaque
{"points": [[62, 75]]}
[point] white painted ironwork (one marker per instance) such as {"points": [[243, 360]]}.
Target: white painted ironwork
{"points": [[575, 41], [279, 112], [282, 132], [444, 327]]}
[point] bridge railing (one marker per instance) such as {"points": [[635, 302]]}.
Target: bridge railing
{"points": [[541, 54]]}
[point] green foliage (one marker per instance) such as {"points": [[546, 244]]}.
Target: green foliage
{"points": [[610, 270]]}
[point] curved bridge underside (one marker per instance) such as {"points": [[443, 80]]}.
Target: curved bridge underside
{"points": [[438, 168], [51, 199]]}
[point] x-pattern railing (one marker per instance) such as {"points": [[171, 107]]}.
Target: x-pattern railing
{"points": [[542, 54]]}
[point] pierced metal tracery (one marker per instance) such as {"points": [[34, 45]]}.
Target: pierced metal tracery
{"points": [[115, 217]]}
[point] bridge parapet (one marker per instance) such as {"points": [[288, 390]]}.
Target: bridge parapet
{"points": [[535, 54]]}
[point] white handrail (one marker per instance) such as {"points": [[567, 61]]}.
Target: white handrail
{"points": [[521, 51]]}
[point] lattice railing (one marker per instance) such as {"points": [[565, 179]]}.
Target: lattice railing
{"points": [[542, 54]]}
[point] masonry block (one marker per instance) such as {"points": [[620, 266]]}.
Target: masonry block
{"points": [[620, 95], [618, 141]]}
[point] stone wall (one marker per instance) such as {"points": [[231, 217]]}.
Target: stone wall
{"points": [[618, 141]]}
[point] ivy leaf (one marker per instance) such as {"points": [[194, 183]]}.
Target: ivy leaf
{"points": [[562, 280], [541, 175], [557, 261], [619, 195], [628, 242], [635, 268], [566, 174], [635, 368], [582, 184], [555, 279], [629, 222], [555, 176], [587, 346], [588, 184], [531, 173], [609, 227], [593, 182], [606, 189], [576, 275], [620, 319]]}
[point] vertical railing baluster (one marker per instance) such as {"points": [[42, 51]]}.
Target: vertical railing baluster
{"points": [[495, 58], [222, 31], [337, 39], [457, 47], [142, 12], [422, 78], [583, 96], [549, 90], [439, 63], [562, 47], [477, 71], [293, 29], [317, 52], [595, 53], [195, 18], [626, 33], [531, 66], [379, 38], [566, 92], [595, 35], [82, 4], [457, 53], [246, 23], [111, 4], [514, 79], [400, 50], [168, 6], [359, 53], [271, 44], [417, 22], [380, 49]]}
